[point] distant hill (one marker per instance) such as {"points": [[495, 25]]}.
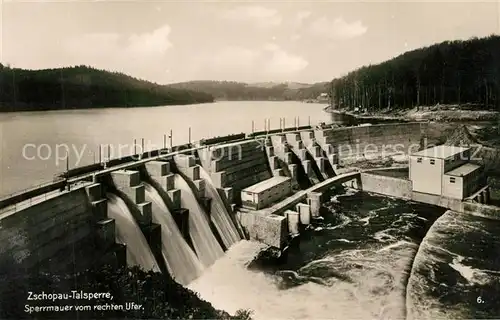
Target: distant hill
{"points": [[289, 85], [85, 87], [231, 90], [451, 72]]}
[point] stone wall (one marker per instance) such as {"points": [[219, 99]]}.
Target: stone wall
{"points": [[270, 229], [389, 186], [354, 143], [440, 201], [56, 234], [236, 165], [483, 210]]}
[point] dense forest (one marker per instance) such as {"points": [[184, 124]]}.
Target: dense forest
{"points": [[230, 90], [451, 72], [84, 87]]}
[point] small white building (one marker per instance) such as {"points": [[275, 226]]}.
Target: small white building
{"points": [[323, 97], [445, 171], [264, 193]]}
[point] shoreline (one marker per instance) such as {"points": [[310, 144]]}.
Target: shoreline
{"points": [[25, 108], [45, 109], [424, 114]]}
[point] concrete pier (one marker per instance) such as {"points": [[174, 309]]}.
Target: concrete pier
{"points": [[314, 202], [129, 183], [271, 225], [305, 213], [181, 217], [270, 229], [487, 196], [293, 222], [481, 197]]}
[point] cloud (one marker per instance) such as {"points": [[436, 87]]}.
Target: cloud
{"points": [[337, 29], [258, 15], [153, 43], [301, 16], [136, 54], [270, 62], [280, 62]]}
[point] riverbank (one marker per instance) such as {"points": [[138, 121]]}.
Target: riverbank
{"points": [[436, 113], [126, 293]]}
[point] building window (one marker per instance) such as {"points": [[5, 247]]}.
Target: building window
{"points": [[419, 160], [432, 161], [452, 180]]}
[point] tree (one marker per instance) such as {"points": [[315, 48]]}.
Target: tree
{"points": [[451, 72]]}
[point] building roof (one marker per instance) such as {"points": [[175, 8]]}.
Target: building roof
{"points": [[266, 184], [440, 152], [463, 170]]}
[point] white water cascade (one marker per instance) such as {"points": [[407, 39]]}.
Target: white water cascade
{"points": [[181, 261], [128, 233], [219, 214], [205, 244]]}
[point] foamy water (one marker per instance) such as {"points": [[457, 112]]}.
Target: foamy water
{"points": [[128, 232], [456, 271], [182, 263], [350, 268], [205, 244], [219, 213], [370, 258], [375, 291]]}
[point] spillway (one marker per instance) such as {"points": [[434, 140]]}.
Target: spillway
{"points": [[128, 232], [219, 214], [205, 244], [181, 261]]}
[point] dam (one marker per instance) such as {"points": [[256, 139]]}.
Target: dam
{"points": [[178, 210]]}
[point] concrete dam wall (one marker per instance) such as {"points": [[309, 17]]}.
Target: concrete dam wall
{"points": [[233, 167], [66, 232], [191, 199], [356, 143]]}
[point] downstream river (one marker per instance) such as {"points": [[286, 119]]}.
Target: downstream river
{"points": [[372, 257], [34, 144]]}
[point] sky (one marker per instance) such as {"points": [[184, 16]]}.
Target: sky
{"points": [[251, 41]]}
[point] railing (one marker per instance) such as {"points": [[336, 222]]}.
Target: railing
{"points": [[84, 173], [30, 193]]}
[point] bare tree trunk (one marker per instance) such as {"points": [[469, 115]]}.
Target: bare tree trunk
{"points": [[418, 89], [442, 98], [486, 93], [404, 95], [379, 97]]}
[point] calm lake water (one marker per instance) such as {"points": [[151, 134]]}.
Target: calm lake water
{"points": [[34, 144]]}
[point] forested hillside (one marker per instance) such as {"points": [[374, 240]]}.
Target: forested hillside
{"points": [[457, 72], [84, 87], [230, 90]]}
